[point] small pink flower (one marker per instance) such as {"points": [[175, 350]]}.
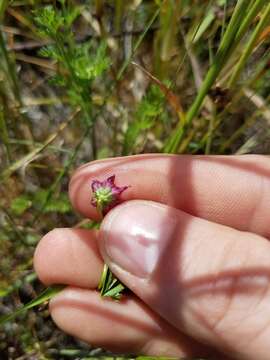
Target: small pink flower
{"points": [[106, 194]]}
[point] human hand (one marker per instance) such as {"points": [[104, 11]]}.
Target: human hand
{"points": [[191, 242]]}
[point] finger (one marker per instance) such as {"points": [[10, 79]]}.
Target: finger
{"points": [[125, 326], [209, 280], [231, 190], [71, 256]]}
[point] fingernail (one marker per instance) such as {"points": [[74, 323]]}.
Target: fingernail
{"points": [[135, 236]]}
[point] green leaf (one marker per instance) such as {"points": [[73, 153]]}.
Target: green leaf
{"points": [[148, 111], [89, 63], [20, 204], [3, 5], [60, 204], [228, 42], [4, 291], [58, 80], [115, 291], [32, 239], [48, 20], [90, 225], [50, 51], [209, 18], [71, 15], [109, 285], [46, 295], [207, 21]]}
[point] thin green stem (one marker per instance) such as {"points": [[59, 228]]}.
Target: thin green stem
{"points": [[247, 124], [248, 19], [10, 70], [224, 18], [3, 5], [225, 145], [46, 295], [62, 173], [13, 224], [219, 61], [85, 103], [250, 46], [4, 131], [137, 44], [210, 132], [119, 4]]}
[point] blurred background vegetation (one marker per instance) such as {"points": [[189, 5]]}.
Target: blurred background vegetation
{"points": [[84, 80]]}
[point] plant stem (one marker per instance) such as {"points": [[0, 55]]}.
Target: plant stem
{"points": [[62, 173], [138, 43], [46, 295], [249, 18], [10, 71], [227, 42], [119, 9], [4, 131], [250, 46], [3, 5], [210, 131]]}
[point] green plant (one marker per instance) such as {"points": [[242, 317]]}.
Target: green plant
{"points": [[243, 15], [93, 79], [79, 64], [149, 112]]}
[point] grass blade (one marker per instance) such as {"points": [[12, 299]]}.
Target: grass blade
{"points": [[3, 5], [46, 295], [31, 156], [220, 59], [138, 43], [250, 46], [249, 18]]}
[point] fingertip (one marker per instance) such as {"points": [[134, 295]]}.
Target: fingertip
{"points": [[69, 256], [45, 252]]}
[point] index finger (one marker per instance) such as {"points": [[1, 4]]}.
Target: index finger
{"points": [[230, 190]]}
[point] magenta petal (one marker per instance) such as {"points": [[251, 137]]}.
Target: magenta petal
{"points": [[96, 185], [124, 188], [110, 181], [118, 190]]}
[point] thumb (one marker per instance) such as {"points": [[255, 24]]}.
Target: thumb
{"points": [[206, 279]]}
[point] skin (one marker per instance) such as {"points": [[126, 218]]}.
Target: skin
{"points": [[191, 241]]}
